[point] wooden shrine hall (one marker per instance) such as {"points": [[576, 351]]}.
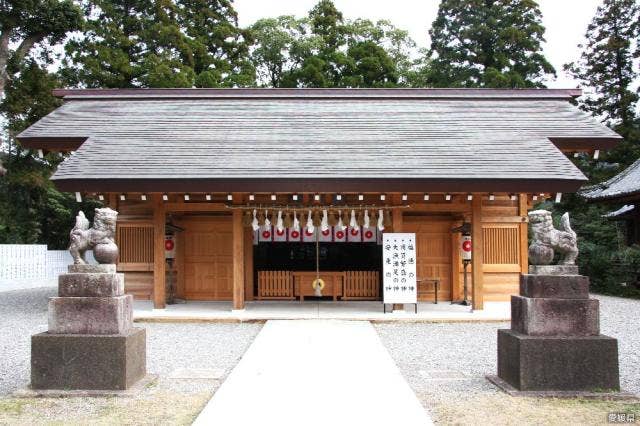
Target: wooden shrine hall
{"points": [[250, 194]]}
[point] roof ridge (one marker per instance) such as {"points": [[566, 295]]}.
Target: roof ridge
{"points": [[400, 92]]}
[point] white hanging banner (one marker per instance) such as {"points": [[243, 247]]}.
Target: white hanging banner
{"points": [[399, 268], [339, 234], [369, 234]]}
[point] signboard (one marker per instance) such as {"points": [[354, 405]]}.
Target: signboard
{"points": [[399, 283]]}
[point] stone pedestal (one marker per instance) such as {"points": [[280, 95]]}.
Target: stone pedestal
{"points": [[554, 343], [91, 343]]}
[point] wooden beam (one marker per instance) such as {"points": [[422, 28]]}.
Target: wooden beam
{"points": [[524, 235], [477, 255], [159, 274], [238, 260], [195, 207]]}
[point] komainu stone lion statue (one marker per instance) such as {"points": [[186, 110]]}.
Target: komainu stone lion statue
{"points": [[100, 238], [546, 239]]}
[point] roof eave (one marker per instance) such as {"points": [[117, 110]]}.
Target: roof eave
{"points": [[426, 185]]}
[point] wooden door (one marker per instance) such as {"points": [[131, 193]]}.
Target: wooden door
{"points": [[433, 252], [208, 258]]}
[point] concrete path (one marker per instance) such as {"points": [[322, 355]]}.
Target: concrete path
{"points": [[315, 372]]}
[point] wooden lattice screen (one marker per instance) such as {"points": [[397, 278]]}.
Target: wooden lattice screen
{"points": [[135, 242], [275, 285], [501, 244], [361, 285]]}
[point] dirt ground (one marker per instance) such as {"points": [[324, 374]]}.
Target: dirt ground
{"points": [[501, 409], [155, 405]]}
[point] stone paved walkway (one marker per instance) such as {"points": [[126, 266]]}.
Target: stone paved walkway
{"points": [[315, 372]]}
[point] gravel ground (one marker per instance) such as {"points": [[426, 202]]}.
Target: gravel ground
{"points": [[445, 363], [191, 359]]}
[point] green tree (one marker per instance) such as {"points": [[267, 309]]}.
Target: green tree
{"points": [[164, 43], [25, 24], [31, 209], [607, 67], [325, 50], [488, 43]]}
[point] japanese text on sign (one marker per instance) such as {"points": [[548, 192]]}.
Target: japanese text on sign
{"points": [[399, 283]]}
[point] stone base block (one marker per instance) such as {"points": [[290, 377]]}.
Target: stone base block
{"points": [[90, 315], [555, 286], [543, 363], [67, 361], [553, 269], [90, 285], [555, 317], [108, 268]]}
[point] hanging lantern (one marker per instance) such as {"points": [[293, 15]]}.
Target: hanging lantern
{"points": [[294, 231], [279, 233]]}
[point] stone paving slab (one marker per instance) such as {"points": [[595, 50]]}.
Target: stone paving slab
{"points": [[315, 372]]}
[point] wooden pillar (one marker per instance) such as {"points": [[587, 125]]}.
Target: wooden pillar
{"points": [[396, 217], [248, 263], [524, 236], [159, 274], [238, 260], [477, 255], [455, 264]]}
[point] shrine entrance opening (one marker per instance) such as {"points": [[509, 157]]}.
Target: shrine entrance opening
{"points": [[287, 270]]}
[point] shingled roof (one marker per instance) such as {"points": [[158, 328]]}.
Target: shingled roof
{"points": [[309, 140], [622, 186]]}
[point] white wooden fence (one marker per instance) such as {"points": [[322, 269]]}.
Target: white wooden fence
{"points": [[32, 263]]}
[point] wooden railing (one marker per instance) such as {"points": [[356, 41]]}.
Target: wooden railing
{"points": [[275, 285], [361, 285]]}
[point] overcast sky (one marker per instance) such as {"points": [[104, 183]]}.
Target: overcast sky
{"points": [[565, 21]]}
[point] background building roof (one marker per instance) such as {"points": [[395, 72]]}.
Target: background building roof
{"points": [[624, 185], [291, 139]]}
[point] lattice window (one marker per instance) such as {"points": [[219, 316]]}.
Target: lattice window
{"points": [[135, 243], [501, 245]]}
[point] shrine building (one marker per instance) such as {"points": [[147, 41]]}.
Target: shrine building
{"points": [[251, 194]]}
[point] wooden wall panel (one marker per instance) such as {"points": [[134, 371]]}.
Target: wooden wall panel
{"points": [[501, 244], [433, 252], [139, 284], [208, 259]]}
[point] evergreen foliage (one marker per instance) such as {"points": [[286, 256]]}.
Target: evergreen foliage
{"points": [[167, 43], [607, 68], [325, 50], [487, 43]]}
